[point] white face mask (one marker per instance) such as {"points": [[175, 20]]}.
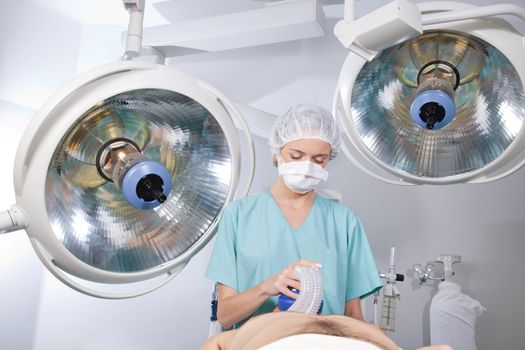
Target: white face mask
{"points": [[302, 177]]}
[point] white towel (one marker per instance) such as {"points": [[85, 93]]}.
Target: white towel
{"points": [[319, 342], [453, 317]]}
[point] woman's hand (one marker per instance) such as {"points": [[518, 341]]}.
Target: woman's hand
{"points": [[280, 282]]}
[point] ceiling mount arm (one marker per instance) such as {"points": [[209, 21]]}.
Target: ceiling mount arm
{"points": [[136, 20], [12, 219], [472, 13], [349, 10], [366, 36]]}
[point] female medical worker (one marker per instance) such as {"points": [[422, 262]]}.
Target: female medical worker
{"points": [[262, 237]]}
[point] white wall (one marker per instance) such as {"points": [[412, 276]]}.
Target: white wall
{"points": [[20, 270], [485, 224], [39, 51], [38, 54]]}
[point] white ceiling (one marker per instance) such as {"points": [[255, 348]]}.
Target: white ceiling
{"points": [[102, 12], [157, 12]]}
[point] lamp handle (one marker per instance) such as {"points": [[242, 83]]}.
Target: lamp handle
{"points": [[48, 261]]}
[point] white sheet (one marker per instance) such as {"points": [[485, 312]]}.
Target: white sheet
{"points": [[318, 342]]}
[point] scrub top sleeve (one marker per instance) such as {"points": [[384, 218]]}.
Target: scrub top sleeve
{"points": [[222, 267], [363, 277]]}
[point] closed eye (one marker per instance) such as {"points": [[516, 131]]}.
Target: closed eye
{"points": [[320, 159], [295, 154]]}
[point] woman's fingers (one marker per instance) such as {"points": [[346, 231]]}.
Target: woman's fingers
{"points": [[279, 283], [290, 272], [292, 283], [284, 290], [271, 285], [306, 262]]}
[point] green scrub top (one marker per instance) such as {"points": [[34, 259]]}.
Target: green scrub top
{"points": [[255, 242]]}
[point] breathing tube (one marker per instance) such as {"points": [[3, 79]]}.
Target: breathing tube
{"points": [[215, 326]]}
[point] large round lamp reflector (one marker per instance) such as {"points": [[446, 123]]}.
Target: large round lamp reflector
{"points": [[90, 215], [489, 100], [122, 175]]}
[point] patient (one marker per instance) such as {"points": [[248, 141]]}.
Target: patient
{"points": [[271, 327]]}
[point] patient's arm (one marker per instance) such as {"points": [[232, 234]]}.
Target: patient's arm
{"points": [[218, 342], [212, 343], [265, 329]]}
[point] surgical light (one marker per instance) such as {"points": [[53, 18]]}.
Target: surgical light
{"points": [[122, 175], [440, 99]]}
